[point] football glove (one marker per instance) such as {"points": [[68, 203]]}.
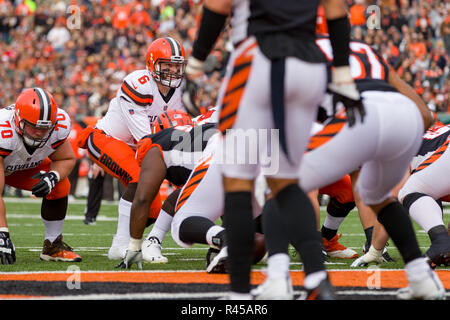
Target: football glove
{"points": [[7, 250], [194, 72], [373, 255], [343, 89], [47, 181], [131, 257]]}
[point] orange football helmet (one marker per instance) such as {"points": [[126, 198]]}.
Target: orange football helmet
{"points": [[166, 61], [171, 118], [35, 116]]}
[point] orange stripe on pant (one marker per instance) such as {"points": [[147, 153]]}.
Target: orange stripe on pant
{"points": [[235, 89], [193, 182], [22, 180], [326, 134]]}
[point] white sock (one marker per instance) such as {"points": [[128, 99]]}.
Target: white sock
{"points": [[333, 223], [122, 236], [161, 226], [278, 265], [312, 280], [426, 212], [213, 231], [53, 229]]}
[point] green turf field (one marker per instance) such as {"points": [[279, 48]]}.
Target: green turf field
{"points": [[93, 241]]}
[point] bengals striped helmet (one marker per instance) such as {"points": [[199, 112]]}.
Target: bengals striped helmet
{"points": [[166, 61], [171, 118], [35, 116]]}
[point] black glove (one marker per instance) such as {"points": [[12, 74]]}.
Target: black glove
{"points": [[352, 107], [188, 97], [47, 182], [7, 251]]}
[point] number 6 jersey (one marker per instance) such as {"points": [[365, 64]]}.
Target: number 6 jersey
{"points": [[12, 149]]}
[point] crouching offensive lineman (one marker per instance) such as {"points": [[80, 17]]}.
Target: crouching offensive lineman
{"points": [[36, 156]]}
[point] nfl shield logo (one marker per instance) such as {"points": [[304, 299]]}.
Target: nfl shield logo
{"points": [[165, 108], [131, 111]]}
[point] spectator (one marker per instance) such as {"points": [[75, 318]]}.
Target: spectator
{"points": [[59, 35]]}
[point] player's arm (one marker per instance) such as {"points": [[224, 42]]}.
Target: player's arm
{"points": [[214, 16], [404, 88], [152, 175], [7, 251], [342, 84], [63, 162]]}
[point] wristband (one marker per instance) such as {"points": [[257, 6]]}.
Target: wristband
{"points": [[57, 175], [4, 229], [339, 31], [211, 26]]}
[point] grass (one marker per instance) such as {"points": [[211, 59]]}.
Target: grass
{"points": [[93, 241]]}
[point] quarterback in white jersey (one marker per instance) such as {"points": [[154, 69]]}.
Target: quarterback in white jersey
{"points": [[35, 155], [143, 95]]}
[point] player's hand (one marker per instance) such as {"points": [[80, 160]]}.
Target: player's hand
{"points": [[47, 181], [131, 257], [7, 250], [373, 255], [343, 89], [96, 170], [193, 75]]}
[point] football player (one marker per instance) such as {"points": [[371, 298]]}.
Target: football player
{"points": [[269, 86], [36, 156], [170, 154], [422, 193], [143, 95], [382, 149]]}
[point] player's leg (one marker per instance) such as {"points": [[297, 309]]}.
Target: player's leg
{"points": [[151, 246], [420, 194], [379, 176], [340, 204], [53, 213]]}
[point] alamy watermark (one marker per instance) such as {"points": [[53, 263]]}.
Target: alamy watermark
{"points": [[373, 17], [74, 279], [252, 147]]}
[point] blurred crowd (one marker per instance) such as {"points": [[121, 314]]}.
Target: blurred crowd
{"points": [[81, 50]]}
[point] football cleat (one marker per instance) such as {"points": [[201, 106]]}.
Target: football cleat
{"points": [[279, 288], [58, 251], [336, 250], [151, 251], [438, 253], [427, 286], [324, 291], [218, 264], [117, 252], [89, 220]]}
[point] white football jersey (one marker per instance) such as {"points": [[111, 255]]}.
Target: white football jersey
{"points": [[12, 149], [136, 106]]}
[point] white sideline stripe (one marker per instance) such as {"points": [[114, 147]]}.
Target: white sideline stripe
{"points": [[68, 217], [200, 295], [38, 201]]}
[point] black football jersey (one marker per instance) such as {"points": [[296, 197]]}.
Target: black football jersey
{"points": [[181, 147], [285, 28]]}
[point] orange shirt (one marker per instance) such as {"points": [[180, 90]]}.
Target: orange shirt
{"points": [[121, 17], [357, 15]]}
